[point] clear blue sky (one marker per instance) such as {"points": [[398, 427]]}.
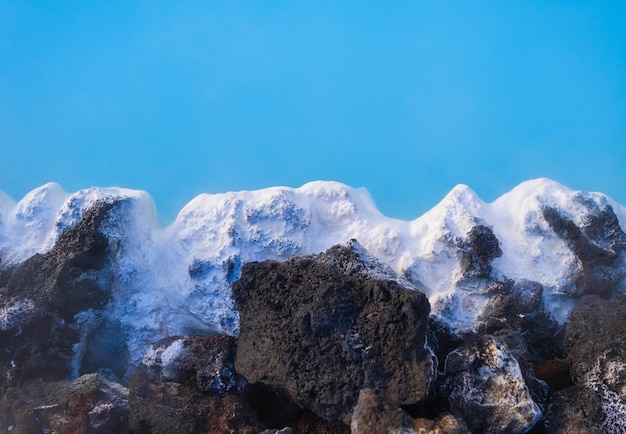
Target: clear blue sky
{"points": [[404, 98]]}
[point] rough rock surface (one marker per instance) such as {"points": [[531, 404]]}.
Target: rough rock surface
{"points": [[446, 424], [90, 404], [595, 340], [599, 244], [321, 328], [519, 306], [480, 249], [373, 414], [575, 410], [46, 302], [483, 382], [189, 385]]}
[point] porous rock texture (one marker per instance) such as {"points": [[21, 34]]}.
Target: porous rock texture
{"points": [[328, 342], [320, 328], [373, 414], [90, 404], [599, 244], [479, 251], [483, 383], [595, 340]]}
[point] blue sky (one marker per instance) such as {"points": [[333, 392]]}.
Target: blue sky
{"points": [[405, 98]]}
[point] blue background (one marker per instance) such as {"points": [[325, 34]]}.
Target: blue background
{"points": [[406, 99]]}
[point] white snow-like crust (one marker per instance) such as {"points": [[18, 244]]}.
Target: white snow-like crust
{"points": [[177, 280]]}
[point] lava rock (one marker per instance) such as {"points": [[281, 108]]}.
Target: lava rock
{"points": [[373, 414], [477, 253], [188, 384], [595, 340], [575, 410], [48, 301], [446, 424], [207, 361], [483, 382], [599, 244], [323, 327], [90, 404], [519, 306]]}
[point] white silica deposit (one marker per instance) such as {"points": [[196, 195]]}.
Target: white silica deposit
{"points": [[176, 280]]}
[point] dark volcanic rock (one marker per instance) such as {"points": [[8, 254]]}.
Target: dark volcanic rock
{"points": [[595, 340], [575, 410], [519, 306], [90, 404], [599, 245], [480, 249], [321, 328], [483, 382], [373, 414], [207, 361], [39, 321], [188, 384]]}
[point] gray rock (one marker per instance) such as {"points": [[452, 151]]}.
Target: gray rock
{"points": [[209, 360], [445, 424], [373, 415], [575, 410]]}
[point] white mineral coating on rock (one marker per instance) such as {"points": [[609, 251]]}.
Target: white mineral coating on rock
{"points": [[484, 383]]}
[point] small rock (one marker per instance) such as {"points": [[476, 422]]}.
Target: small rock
{"points": [[484, 383], [188, 385], [373, 414]]}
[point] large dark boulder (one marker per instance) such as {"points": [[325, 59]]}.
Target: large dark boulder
{"points": [[320, 328]]}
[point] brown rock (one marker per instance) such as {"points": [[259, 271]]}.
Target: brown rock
{"points": [[374, 414], [188, 385], [446, 424], [89, 404]]}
